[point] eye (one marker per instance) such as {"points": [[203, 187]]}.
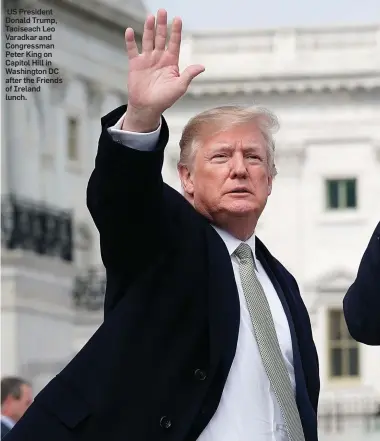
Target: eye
{"points": [[219, 157], [254, 157]]}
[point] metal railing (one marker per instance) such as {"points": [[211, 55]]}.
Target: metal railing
{"points": [[355, 416], [40, 228], [89, 289]]}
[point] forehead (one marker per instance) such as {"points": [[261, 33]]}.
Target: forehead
{"points": [[244, 135]]}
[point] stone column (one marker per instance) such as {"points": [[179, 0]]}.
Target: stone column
{"points": [[37, 316]]}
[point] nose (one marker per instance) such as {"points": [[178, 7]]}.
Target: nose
{"points": [[238, 166]]}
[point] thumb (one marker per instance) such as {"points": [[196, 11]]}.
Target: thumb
{"points": [[190, 73]]}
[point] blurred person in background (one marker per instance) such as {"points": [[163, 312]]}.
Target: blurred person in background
{"points": [[361, 304], [16, 397], [205, 334]]}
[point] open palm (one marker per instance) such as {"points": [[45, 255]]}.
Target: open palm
{"points": [[154, 80]]}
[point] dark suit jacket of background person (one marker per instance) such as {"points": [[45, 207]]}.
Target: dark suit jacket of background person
{"points": [[4, 430], [361, 304], [156, 368]]}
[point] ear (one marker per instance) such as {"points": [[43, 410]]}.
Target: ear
{"points": [[186, 178], [270, 181]]}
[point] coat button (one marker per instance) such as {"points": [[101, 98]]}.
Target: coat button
{"points": [[200, 375], [165, 423]]}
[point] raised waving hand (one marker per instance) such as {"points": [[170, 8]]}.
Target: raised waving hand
{"points": [[154, 80]]}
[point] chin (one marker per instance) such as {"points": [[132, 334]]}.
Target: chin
{"points": [[240, 208]]}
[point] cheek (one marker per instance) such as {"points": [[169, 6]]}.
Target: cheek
{"points": [[211, 178], [261, 182], [208, 189]]}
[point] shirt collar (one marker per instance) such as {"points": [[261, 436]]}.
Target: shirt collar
{"points": [[7, 421], [232, 242]]}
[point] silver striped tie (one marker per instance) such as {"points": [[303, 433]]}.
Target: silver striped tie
{"points": [[266, 337]]}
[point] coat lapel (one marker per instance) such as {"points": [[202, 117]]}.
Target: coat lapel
{"points": [[300, 343], [224, 307], [286, 297]]}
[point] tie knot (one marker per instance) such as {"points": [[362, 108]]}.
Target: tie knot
{"points": [[243, 251]]}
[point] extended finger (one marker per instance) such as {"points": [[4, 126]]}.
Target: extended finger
{"points": [[175, 38], [148, 34], [190, 73], [161, 30], [130, 43]]}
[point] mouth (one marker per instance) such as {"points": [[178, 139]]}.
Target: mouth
{"points": [[241, 190]]}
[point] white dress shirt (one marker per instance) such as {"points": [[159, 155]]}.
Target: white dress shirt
{"points": [[248, 409], [7, 421]]}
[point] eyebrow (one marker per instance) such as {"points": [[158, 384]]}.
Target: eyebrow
{"points": [[226, 146]]}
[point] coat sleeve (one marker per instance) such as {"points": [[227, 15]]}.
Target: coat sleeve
{"points": [[125, 199], [361, 304]]}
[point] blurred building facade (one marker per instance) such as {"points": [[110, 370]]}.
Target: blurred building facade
{"points": [[324, 85], [48, 150]]}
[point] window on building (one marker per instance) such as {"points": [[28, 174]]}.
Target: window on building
{"points": [[344, 359], [341, 194], [72, 138]]}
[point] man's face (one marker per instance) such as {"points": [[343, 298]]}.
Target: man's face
{"points": [[230, 175], [17, 407]]}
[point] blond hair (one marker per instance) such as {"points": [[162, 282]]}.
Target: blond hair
{"points": [[213, 121]]}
